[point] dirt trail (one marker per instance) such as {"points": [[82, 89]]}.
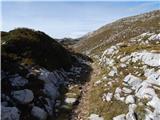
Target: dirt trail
{"points": [[82, 110]]}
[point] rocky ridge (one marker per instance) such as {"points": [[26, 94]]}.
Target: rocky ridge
{"points": [[131, 76]]}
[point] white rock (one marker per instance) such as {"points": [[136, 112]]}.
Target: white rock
{"points": [[132, 107], [104, 78], [110, 83], [154, 37], [118, 90], [132, 81], [107, 61], [112, 50], [145, 90], [131, 114], [70, 100], [151, 115], [39, 113], [122, 65], [147, 34], [148, 58], [113, 71], [158, 37], [23, 96], [130, 99], [120, 117], [117, 95], [119, 56], [140, 104], [155, 103], [9, 113], [144, 34], [126, 90], [98, 82], [151, 59], [107, 97], [95, 117], [154, 78], [148, 72], [126, 58]]}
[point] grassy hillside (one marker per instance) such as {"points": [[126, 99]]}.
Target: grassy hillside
{"points": [[120, 30], [126, 69], [34, 47], [39, 76]]}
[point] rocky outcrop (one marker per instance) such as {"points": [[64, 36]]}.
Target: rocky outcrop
{"points": [[131, 77], [37, 93]]}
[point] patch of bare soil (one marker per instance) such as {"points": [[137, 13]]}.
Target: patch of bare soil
{"points": [[81, 112]]}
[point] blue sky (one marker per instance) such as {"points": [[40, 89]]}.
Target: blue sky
{"points": [[68, 19]]}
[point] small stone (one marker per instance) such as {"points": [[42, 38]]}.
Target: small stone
{"points": [[51, 90], [120, 117], [110, 83], [155, 103], [70, 100], [23, 96], [117, 95], [145, 90], [95, 117], [132, 81], [130, 99], [126, 90], [9, 113], [131, 115], [18, 81], [107, 97], [98, 82], [39, 113], [113, 72], [123, 65]]}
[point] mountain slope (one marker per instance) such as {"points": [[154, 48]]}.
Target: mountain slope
{"points": [[37, 46], [42, 80], [120, 30], [125, 83], [36, 74]]}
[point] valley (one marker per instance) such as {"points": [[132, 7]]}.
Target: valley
{"points": [[112, 73]]}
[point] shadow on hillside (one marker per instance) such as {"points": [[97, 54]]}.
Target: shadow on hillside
{"points": [[86, 69], [79, 81]]}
